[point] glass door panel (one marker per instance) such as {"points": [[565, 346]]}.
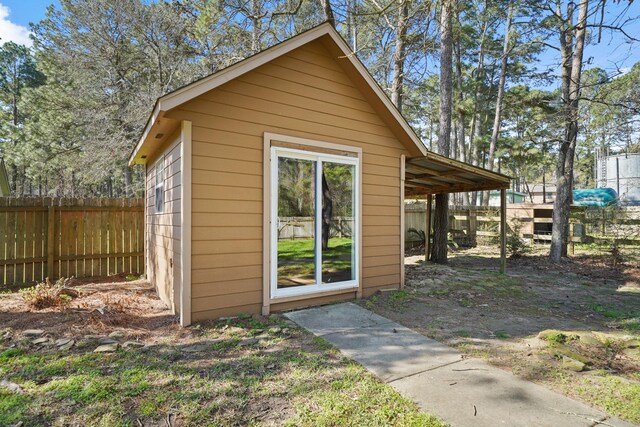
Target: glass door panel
{"points": [[337, 217], [296, 222]]}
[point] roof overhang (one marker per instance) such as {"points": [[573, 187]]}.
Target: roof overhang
{"points": [[436, 174], [154, 131]]}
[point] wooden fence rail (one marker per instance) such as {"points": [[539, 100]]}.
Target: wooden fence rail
{"points": [[475, 224], [47, 237]]}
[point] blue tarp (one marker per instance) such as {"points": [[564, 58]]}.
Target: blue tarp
{"points": [[599, 197]]}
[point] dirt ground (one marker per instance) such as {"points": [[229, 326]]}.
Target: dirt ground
{"points": [[105, 304], [535, 320]]}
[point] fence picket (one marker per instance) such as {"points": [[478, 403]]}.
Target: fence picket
{"points": [[4, 227], [11, 241], [89, 237]]}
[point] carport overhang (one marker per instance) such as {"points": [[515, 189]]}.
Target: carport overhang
{"points": [[436, 174], [432, 174]]}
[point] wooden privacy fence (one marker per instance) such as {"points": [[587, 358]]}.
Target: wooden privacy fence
{"points": [[466, 225], [476, 224], [47, 237]]}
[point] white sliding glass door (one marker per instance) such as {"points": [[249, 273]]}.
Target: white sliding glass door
{"points": [[314, 222]]}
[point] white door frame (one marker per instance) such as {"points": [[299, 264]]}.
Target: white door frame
{"points": [[275, 143]]}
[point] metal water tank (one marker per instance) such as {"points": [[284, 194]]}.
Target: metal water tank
{"points": [[622, 173]]}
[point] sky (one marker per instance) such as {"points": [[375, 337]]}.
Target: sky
{"points": [[611, 54], [15, 16]]}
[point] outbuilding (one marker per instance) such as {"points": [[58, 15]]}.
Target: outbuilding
{"points": [[279, 182]]}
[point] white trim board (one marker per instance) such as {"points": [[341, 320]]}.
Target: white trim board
{"points": [[185, 222], [320, 159]]}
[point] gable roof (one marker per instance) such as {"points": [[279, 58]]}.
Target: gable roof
{"points": [[381, 103], [5, 190]]}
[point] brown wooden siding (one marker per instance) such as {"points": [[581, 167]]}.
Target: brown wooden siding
{"points": [[164, 230], [305, 94]]}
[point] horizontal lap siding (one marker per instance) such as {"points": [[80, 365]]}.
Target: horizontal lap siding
{"points": [[304, 94], [164, 230]]}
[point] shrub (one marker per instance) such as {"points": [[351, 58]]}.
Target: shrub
{"points": [[46, 294], [419, 234], [516, 245]]}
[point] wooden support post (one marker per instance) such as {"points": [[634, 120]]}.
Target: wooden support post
{"points": [[571, 244], [503, 230], [51, 237], [427, 228]]}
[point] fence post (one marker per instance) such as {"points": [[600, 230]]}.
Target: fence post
{"points": [[51, 223], [503, 230], [571, 244]]}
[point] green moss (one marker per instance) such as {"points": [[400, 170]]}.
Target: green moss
{"points": [[556, 336], [560, 350]]}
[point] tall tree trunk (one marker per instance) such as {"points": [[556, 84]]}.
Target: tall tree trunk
{"points": [[497, 119], [475, 131], [460, 135], [399, 54], [352, 24], [327, 10], [327, 202], [566, 154], [441, 214], [255, 26], [327, 212], [128, 190]]}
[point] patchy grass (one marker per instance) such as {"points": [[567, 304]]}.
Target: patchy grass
{"points": [[617, 396], [610, 312], [371, 302], [502, 335], [630, 325], [399, 296], [250, 371], [370, 403]]}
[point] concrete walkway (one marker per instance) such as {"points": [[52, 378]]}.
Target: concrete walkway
{"points": [[461, 391]]}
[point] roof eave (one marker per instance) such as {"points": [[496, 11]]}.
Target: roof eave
{"points": [[199, 87], [155, 114]]}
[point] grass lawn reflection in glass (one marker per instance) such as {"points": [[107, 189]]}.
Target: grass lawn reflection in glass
{"points": [[296, 261]]}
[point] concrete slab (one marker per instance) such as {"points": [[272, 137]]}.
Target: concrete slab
{"points": [[392, 351], [473, 393], [336, 318], [462, 392]]}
